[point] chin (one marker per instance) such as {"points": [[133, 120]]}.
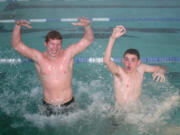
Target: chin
{"points": [[129, 71], [53, 55]]}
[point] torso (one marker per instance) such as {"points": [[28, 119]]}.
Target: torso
{"points": [[128, 88], [56, 76]]}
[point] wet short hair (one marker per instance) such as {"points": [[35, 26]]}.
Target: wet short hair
{"points": [[132, 51], [53, 35]]}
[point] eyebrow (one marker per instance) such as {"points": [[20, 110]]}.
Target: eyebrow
{"points": [[129, 58]]}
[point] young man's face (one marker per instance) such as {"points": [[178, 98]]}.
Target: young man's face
{"points": [[53, 46], [130, 62]]}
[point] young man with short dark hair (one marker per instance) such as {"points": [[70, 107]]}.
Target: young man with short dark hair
{"points": [[128, 79]]}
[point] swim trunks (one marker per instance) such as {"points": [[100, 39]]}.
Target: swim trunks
{"points": [[49, 109]]}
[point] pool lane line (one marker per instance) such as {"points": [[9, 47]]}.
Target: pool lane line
{"points": [[20, 6], [58, 0], [96, 60], [14, 4], [97, 19]]}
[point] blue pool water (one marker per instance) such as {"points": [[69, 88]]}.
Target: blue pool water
{"points": [[152, 27]]}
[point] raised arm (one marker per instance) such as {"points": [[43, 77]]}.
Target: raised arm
{"points": [[158, 72], [86, 40], [118, 31], [17, 43]]}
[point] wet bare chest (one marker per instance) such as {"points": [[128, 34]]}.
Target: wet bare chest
{"points": [[132, 83], [57, 68]]}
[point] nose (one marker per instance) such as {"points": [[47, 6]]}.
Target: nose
{"points": [[129, 63], [54, 46]]}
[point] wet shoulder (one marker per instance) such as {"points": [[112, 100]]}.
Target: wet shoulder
{"points": [[141, 68]]}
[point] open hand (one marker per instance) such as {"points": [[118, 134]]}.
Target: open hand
{"points": [[82, 22], [159, 76], [23, 23], [118, 31]]}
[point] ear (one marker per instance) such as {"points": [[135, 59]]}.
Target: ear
{"points": [[45, 44], [139, 62]]}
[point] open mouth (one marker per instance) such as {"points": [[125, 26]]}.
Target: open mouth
{"points": [[54, 52], [129, 68]]}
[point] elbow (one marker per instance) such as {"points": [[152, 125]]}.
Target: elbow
{"points": [[105, 61], [16, 45]]}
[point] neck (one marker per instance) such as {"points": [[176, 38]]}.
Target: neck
{"points": [[131, 73]]}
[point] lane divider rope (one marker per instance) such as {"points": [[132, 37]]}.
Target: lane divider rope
{"points": [[97, 19], [96, 60]]}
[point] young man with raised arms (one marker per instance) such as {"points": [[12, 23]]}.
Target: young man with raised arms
{"points": [[55, 65], [128, 79]]}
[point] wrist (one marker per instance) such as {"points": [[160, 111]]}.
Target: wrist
{"points": [[161, 71], [87, 26], [113, 38], [17, 24]]}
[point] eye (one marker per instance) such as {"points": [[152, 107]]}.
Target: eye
{"points": [[126, 59], [133, 60]]}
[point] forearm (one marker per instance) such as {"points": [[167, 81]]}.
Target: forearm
{"points": [[16, 36], [88, 34], [107, 55], [159, 69]]}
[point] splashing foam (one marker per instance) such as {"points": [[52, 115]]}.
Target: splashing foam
{"points": [[151, 111], [97, 107]]}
